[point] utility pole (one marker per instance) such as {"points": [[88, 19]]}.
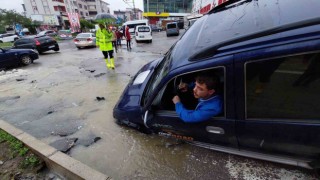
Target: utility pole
{"points": [[134, 10]]}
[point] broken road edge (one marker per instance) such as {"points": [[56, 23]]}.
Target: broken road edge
{"points": [[55, 160]]}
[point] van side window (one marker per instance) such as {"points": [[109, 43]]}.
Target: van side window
{"points": [[284, 88], [188, 99]]}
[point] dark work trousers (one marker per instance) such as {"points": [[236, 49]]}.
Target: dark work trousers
{"points": [[114, 44], [128, 44], [106, 53]]}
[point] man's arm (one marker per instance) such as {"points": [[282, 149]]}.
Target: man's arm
{"points": [[203, 112]]}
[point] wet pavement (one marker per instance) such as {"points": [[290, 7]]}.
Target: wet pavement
{"points": [[65, 99]]}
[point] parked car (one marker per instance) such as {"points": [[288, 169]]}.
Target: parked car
{"points": [[13, 57], [270, 82], [143, 33], [85, 40], [39, 43], [8, 37], [47, 33], [65, 34], [172, 29], [156, 28]]}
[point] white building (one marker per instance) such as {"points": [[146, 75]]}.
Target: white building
{"points": [[55, 12]]}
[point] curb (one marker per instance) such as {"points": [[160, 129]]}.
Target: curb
{"points": [[55, 160]]}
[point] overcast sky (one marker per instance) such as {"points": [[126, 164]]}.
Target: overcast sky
{"points": [[114, 4]]}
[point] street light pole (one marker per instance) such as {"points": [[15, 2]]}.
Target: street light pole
{"points": [[134, 10]]}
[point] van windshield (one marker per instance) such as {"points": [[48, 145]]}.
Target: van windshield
{"points": [[161, 71]]}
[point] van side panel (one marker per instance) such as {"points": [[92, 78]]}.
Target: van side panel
{"points": [[278, 112]]}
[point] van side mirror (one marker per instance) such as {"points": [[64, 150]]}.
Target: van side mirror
{"points": [[148, 115]]}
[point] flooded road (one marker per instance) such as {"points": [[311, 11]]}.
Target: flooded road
{"points": [[69, 97]]}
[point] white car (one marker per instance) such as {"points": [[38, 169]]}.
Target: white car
{"points": [[8, 37], [85, 40], [143, 33]]}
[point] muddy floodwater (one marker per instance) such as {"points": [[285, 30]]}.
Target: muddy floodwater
{"points": [[66, 99]]}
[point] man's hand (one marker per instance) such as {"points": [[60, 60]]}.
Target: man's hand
{"points": [[176, 99], [183, 87]]}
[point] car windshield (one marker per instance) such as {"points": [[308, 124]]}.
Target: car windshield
{"points": [[83, 35], [64, 32], [161, 71]]}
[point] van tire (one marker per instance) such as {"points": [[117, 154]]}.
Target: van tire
{"points": [[150, 41], [1, 42]]}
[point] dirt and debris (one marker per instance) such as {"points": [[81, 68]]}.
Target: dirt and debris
{"points": [[15, 166], [65, 144], [100, 98]]}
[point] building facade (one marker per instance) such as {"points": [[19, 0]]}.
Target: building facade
{"points": [[204, 6], [54, 13], [158, 10]]}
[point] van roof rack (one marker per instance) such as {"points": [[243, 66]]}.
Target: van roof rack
{"points": [[208, 52]]}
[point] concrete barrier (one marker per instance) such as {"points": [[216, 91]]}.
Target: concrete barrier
{"points": [[55, 160]]}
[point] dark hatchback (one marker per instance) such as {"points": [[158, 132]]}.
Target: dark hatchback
{"points": [[14, 57], [39, 43], [267, 55]]}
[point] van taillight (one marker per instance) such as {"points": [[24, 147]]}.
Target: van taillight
{"points": [[37, 42], [89, 39]]}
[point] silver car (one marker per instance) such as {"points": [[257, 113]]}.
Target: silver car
{"points": [[85, 40]]}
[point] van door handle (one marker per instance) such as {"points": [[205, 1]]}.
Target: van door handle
{"points": [[215, 130]]}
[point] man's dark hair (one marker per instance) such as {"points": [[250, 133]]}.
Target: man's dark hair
{"points": [[102, 26], [210, 79]]}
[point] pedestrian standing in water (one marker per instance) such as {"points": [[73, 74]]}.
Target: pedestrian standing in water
{"points": [[103, 41], [128, 38], [119, 37], [114, 39]]}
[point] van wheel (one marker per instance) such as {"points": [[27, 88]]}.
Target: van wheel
{"points": [[26, 60], [56, 49], [1, 42], [150, 41], [137, 41]]}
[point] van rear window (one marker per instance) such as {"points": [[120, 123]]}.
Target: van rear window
{"points": [[143, 29], [169, 26]]}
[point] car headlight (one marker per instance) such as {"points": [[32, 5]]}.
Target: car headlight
{"points": [[141, 77]]}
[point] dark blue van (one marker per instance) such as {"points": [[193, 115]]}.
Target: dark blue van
{"points": [[267, 56]]}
